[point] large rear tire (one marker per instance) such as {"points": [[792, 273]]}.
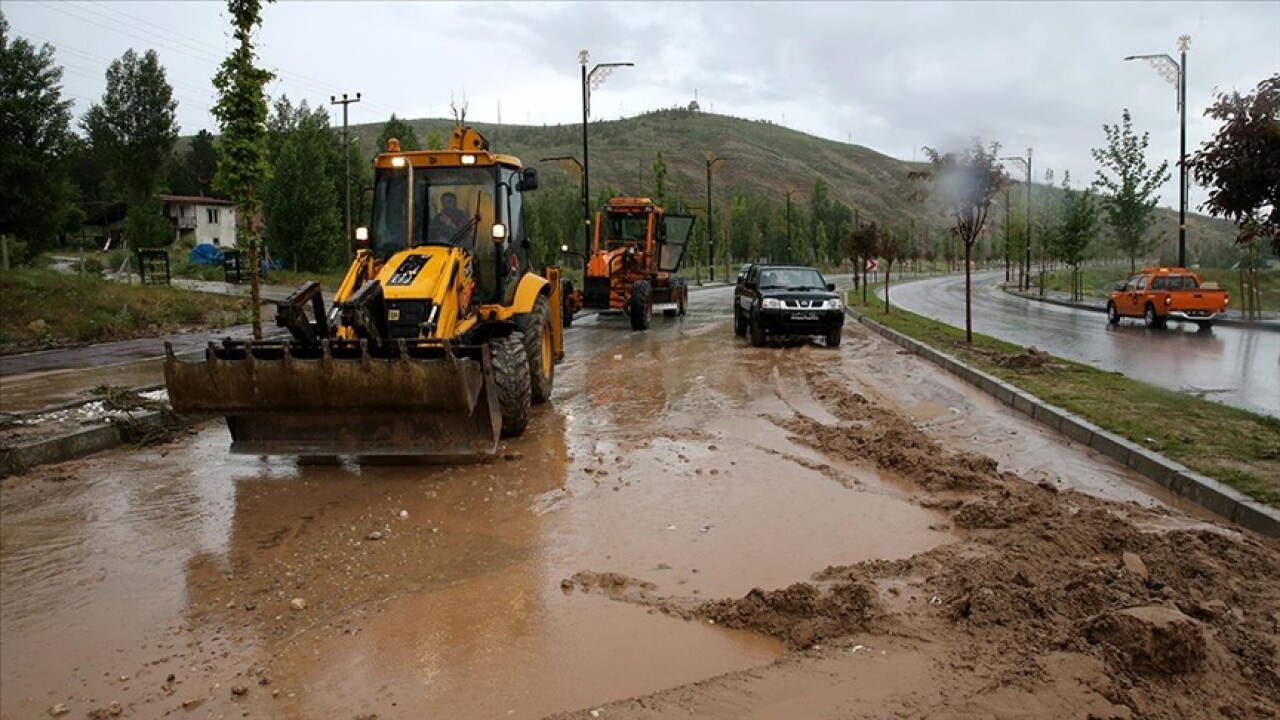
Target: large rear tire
{"points": [[535, 328], [511, 376], [683, 301], [1113, 315], [640, 309]]}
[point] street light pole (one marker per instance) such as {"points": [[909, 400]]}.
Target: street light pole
{"points": [[346, 151], [590, 81], [564, 160], [1176, 73], [1025, 164], [790, 256], [711, 219]]}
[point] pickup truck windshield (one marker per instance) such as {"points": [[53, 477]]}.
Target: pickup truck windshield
{"points": [[792, 279]]}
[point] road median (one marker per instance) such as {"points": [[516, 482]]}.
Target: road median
{"points": [[1245, 490]]}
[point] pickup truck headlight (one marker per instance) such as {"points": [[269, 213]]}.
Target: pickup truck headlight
{"points": [[771, 304], [834, 304]]}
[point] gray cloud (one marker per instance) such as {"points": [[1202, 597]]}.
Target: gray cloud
{"points": [[891, 76]]}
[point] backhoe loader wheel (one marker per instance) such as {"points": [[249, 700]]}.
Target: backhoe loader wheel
{"points": [[640, 309], [511, 376], [682, 302], [536, 329], [566, 311]]}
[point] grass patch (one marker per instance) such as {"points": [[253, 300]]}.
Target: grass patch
{"points": [[1233, 446], [45, 309]]}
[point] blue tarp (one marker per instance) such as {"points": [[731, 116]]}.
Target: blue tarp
{"points": [[206, 254]]}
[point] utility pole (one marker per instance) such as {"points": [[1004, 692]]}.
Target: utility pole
{"points": [[711, 219], [346, 152], [1025, 164]]}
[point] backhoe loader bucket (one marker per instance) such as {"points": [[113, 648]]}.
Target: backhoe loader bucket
{"points": [[411, 398]]}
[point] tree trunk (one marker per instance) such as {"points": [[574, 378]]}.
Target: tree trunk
{"points": [[255, 290], [968, 305], [888, 273]]}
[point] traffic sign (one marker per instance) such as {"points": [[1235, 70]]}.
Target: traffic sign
{"points": [[871, 265]]}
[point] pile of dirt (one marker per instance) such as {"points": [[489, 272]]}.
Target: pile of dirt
{"points": [[1045, 583], [1030, 358], [800, 615]]}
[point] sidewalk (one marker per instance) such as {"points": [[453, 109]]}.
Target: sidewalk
{"points": [[1269, 321]]}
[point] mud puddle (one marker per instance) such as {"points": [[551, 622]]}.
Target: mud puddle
{"points": [[35, 391]]}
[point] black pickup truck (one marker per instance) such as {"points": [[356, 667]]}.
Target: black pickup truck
{"points": [[786, 300]]}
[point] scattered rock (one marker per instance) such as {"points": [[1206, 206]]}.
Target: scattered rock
{"points": [[1150, 639], [404, 514], [298, 604], [375, 535], [61, 708], [1134, 566], [192, 704], [239, 690], [110, 711], [251, 605]]}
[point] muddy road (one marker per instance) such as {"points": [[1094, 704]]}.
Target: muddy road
{"points": [[919, 550]]}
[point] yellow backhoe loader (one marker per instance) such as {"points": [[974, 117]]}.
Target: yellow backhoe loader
{"points": [[436, 344]]}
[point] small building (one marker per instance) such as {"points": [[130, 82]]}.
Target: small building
{"points": [[206, 220]]}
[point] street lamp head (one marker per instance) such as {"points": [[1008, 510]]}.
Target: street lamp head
{"points": [[582, 57]]}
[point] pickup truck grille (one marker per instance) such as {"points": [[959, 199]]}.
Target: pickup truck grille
{"points": [[802, 304]]}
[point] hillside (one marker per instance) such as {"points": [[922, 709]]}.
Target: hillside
{"points": [[759, 157]]}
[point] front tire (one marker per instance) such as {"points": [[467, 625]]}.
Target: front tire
{"points": [[683, 302], [566, 312], [535, 328], [1113, 315], [511, 377], [639, 308], [739, 322], [757, 333], [833, 337]]}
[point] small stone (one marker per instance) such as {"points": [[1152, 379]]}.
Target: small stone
{"points": [[566, 584], [1134, 566], [192, 704], [59, 710], [251, 605], [375, 535], [114, 709], [239, 690], [298, 604], [404, 514], [264, 680]]}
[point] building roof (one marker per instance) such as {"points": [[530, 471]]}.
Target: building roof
{"points": [[195, 200]]}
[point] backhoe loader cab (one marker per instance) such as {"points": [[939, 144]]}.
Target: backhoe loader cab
{"points": [[636, 251], [437, 341]]}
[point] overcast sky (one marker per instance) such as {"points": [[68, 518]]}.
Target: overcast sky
{"points": [[892, 76]]}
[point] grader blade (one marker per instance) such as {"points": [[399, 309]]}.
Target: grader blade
{"points": [[343, 397]]}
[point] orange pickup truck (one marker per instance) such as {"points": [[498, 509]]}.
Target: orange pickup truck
{"points": [[1158, 295]]}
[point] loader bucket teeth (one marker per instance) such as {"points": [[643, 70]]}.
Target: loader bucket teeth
{"points": [[344, 398]]}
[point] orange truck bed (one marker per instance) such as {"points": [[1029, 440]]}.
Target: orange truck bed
{"points": [[1160, 294]]}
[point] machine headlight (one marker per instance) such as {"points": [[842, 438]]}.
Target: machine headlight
{"points": [[468, 159], [398, 161], [499, 231], [771, 304], [833, 304]]}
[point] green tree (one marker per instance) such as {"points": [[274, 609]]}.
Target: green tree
{"points": [[400, 130], [1076, 230], [134, 129], [35, 186], [966, 183], [302, 222], [1128, 188], [241, 111], [660, 180], [1241, 170], [435, 141], [193, 171]]}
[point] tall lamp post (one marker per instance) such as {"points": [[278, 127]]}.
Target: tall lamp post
{"points": [[712, 161], [590, 81], [1025, 165], [346, 151], [1176, 74]]}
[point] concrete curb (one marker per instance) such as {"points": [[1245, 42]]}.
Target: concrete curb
{"points": [[1226, 322], [1206, 492], [78, 444]]}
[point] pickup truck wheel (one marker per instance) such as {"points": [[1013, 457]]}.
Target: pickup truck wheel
{"points": [[1149, 316], [757, 333], [1113, 315], [739, 322], [833, 337], [1205, 326]]}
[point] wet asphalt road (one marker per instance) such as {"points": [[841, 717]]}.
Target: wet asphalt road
{"points": [[1232, 365], [658, 458]]}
